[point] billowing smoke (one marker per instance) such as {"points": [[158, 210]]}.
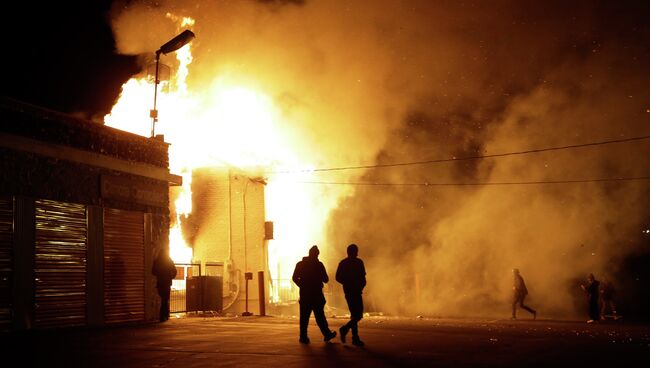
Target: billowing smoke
{"points": [[546, 78], [380, 82]]}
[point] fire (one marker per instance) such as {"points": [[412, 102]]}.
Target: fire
{"points": [[231, 122]]}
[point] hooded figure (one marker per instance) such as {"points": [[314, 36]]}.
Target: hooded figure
{"points": [[310, 275], [165, 270], [351, 273]]}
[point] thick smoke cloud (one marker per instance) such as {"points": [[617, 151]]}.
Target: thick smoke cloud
{"points": [[449, 251], [387, 81]]}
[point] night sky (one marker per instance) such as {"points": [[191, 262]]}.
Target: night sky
{"points": [[61, 55]]}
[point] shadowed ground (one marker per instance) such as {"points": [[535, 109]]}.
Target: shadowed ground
{"points": [[390, 342]]}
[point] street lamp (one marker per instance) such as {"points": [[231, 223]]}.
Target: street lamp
{"points": [[172, 45]]}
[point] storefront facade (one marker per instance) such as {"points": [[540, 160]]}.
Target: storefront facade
{"points": [[82, 207]]}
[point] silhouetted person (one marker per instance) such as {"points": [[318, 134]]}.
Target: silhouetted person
{"points": [[165, 271], [352, 274], [519, 295], [607, 304], [593, 294], [310, 275]]}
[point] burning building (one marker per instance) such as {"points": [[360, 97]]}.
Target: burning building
{"points": [[82, 207], [241, 164], [227, 228]]}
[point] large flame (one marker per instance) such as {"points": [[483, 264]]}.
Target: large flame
{"points": [[232, 122]]}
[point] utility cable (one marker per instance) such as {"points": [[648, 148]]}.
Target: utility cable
{"points": [[477, 157], [426, 184]]}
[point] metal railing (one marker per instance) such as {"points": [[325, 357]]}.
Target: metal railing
{"points": [[284, 291], [178, 296]]}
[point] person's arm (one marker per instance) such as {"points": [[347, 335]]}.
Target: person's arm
{"points": [[324, 276], [363, 278], [339, 273], [297, 277]]}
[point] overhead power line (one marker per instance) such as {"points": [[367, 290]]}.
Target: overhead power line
{"points": [[426, 184], [477, 157]]}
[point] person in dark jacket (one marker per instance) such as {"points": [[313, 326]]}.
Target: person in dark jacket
{"points": [[165, 271], [351, 273], [310, 275], [519, 294], [592, 288]]}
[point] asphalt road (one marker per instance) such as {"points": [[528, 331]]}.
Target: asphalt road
{"points": [[200, 341]]}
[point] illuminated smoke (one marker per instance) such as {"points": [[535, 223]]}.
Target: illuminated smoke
{"points": [[382, 82], [450, 250]]}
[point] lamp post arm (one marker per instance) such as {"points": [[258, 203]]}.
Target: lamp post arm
{"points": [[154, 113], [172, 45]]}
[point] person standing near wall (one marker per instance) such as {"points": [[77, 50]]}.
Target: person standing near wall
{"points": [[165, 270]]}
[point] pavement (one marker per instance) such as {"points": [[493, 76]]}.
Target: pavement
{"points": [[209, 341]]}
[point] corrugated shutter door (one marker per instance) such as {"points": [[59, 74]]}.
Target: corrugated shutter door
{"points": [[123, 266], [60, 264], [6, 261]]}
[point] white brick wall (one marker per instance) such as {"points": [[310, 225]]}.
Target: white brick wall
{"points": [[230, 214]]}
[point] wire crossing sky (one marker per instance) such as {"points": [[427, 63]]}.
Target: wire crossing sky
{"points": [[423, 162], [427, 184]]}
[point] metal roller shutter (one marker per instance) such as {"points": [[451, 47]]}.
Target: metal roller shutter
{"points": [[124, 272], [6, 260], [60, 264]]}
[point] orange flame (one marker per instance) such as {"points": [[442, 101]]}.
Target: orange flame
{"points": [[230, 122]]}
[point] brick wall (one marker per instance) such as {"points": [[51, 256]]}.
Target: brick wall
{"points": [[227, 225]]}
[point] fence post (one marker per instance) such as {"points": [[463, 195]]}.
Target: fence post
{"points": [[260, 282]]}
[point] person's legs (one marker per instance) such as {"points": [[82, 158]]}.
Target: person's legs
{"points": [[531, 310], [164, 293], [305, 313], [603, 309], [356, 313], [594, 311], [164, 310], [319, 315], [515, 301], [607, 306], [355, 304], [161, 312]]}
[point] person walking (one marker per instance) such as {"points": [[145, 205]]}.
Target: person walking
{"points": [[519, 295], [592, 288], [165, 271], [607, 302], [351, 273], [310, 275]]}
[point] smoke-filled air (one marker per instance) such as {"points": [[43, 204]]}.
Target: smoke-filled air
{"points": [[380, 83]]}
